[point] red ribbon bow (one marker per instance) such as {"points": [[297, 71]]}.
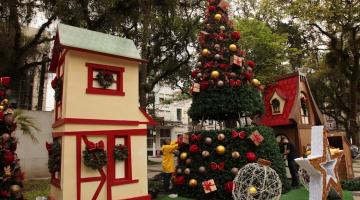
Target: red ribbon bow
{"points": [[207, 185], [48, 146], [195, 137], [241, 134], [92, 146], [215, 166]]}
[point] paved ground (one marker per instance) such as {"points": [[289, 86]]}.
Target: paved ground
{"points": [[356, 167]]}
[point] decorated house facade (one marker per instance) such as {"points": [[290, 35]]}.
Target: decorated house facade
{"points": [[99, 131], [291, 110]]}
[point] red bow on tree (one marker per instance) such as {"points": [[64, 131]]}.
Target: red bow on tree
{"points": [[215, 166], [92, 146], [48, 146], [195, 137], [241, 134], [207, 185], [234, 83], [5, 81]]}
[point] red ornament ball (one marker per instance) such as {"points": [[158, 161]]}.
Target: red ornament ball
{"points": [[8, 157], [194, 148], [250, 156], [212, 8], [229, 186], [179, 180], [251, 63], [235, 35]]}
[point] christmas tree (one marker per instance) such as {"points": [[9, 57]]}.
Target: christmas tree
{"points": [[10, 172], [224, 90]]}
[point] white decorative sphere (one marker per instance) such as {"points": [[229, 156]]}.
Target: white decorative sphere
{"points": [[262, 179]]}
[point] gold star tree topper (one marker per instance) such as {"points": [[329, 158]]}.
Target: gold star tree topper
{"points": [[321, 166]]}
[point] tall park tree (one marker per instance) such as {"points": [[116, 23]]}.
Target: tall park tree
{"points": [[163, 31]]}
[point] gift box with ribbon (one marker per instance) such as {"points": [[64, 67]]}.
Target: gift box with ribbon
{"points": [[209, 186]]}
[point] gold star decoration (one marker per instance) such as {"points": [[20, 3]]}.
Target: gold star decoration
{"points": [[321, 166]]}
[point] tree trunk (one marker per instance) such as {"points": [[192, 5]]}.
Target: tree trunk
{"points": [[146, 8], [41, 87]]}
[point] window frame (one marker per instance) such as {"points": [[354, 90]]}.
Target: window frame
{"points": [[119, 71]]}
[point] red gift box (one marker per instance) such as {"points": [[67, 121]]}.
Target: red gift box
{"points": [[236, 60]]}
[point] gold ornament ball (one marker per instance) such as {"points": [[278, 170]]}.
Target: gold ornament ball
{"points": [[220, 83], [187, 171], [1, 107], [205, 154], [232, 47], [5, 101], [220, 149], [235, 154], [232, 75], [179, 171], [222, 28], [217, 17], [221, 137], [15, 189], [215, 74], [193, 183], [208, 140], [183, 156], [255, 82], [252, 190], [205, 52]]}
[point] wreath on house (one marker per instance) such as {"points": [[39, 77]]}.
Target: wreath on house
{"points": [[57, 85], [120, 152], [105, 78], [54, 151], [95, 155]]}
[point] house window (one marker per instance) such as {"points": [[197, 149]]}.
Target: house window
{"points": [[275, 103], [178, 114], [304, 110], [105, 79], [122, 171]]}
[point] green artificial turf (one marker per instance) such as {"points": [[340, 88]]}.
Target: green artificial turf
{"points": [[36, 188], [299, 194]]}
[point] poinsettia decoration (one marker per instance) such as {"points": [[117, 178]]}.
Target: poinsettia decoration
{"points": [[120, 152], [105, 78]]}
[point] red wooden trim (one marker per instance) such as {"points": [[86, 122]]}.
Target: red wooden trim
{"points": [[111, 164], [128, 169], [119, 71], [104, 91], [105, 54], [151, 122], [101, 121], [138, 132], [147, 197], [78, 167], [124, 182], [91, 179], [101, 185]]}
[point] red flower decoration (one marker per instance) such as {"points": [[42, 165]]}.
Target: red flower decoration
{"points": [[2, 93], [179, 180], [212, 8], [242, 52], [4, 193], [250, 156], [248, 75], [194, 148], [223, 66], [209, 64], [235, 35], [194, 73], [215, 166], [195, 137], [229, 186], [251, 63], [8, 157]]}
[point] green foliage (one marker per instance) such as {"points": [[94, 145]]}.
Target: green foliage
{"points": [[36, 188], [54, 162], [228, 103], [267, 150], [351, 184], [26, 124], [120, 152], [266, 47], [95, 159]]}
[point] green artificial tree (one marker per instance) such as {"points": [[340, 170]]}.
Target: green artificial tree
{"points": [[224, 90], [11, 176]]}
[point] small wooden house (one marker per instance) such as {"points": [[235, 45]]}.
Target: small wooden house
{"points": [[97, 106], [291, 110]]}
